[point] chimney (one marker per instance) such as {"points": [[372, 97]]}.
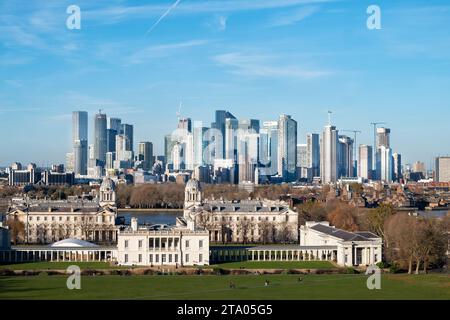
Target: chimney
{"points": [[134, 224]]}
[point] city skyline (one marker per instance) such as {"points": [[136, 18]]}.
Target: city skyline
{"points": [[301, 58]]}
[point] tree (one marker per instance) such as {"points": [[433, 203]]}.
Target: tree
{"points": [[17, 229], [285, 232], [264, 229], [243, 227], [376, 219], [343, 217]]}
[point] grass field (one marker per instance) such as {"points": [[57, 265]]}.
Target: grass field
{"points": [[313, 287], [56, 265], [276, 265]]}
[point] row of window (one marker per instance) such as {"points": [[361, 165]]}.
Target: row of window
{"points": [[245, 218], [90, 219], [163, 243], [164, 258]]}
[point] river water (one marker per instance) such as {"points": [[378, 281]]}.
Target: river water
{"points": [[151, 217]]}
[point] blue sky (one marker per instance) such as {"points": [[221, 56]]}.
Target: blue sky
{"points": [[255, 58]]}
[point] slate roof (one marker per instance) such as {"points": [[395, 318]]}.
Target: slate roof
{"points": [[344, 235], [244, 207]]}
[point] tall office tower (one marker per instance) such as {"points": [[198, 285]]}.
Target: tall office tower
{"points": [[146, 155], [442, 169], [345, 157], [127, 130], [111, 140], [79, 125], [302, 161], [313, 153], [271, 127], [70, 162], [177, 156], [230, 137], [123, 147], [185, 124], [80, 157], [169, 143], [79, 141], [246, 145], [397, 166], [100, 138], [200, 143], [110, 158], [189, 152], [419, 167], [384, 164], [287, 145], [249, 125], [383, 137], [219, 124], [115, 124], [365, 162], [328, 154]]}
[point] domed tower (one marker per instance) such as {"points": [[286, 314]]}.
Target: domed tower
{"points": [[107, 192], [193, 195]]}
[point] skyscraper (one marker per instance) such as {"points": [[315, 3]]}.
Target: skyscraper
{"points": [[384, 164], [231, 125], [345, 157], [313, 153], [397, 158], [383, 137], [127, 130], [145, 152], [287, 148], [80, 142], [200, 142], [219, 124], [100, 138], [302, 161], [442, 169], [271, 165], [115, 124], [79, 125], [365, 162], [328, 154]]}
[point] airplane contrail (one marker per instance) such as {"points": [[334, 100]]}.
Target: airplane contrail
{"points": [[173, 6]]}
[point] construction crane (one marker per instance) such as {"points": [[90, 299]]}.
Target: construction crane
{"points": [[355, 146]]}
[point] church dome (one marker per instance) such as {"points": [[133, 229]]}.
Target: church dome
{"points": [[108, 184], [193, 184]]}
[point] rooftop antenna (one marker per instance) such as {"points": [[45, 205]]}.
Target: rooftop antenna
{"points": [[179, 111], [329, 117]]}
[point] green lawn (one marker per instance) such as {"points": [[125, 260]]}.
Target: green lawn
{"points": [[313, 287], [276, 265], [56, 265]]}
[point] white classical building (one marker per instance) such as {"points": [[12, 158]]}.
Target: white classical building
{"points": [[347, 248], [250, 221], [162, 245], [48, 221]]}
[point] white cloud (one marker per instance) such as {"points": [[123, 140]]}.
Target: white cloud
{"points": [[157, 51], [262, 66], [294, 17], [119, 13]]}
